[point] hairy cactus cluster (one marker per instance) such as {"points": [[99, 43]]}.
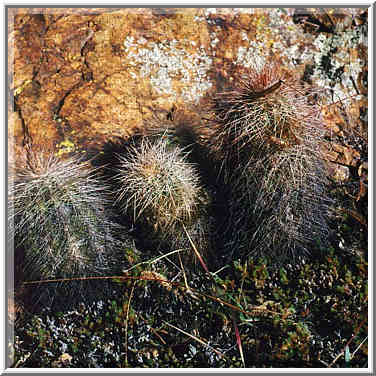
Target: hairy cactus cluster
{"points": [[262, 137], [59, 220], [279, 206], [266, 142]]}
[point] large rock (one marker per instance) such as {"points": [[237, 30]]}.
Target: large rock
{"points": [[81, 77]]}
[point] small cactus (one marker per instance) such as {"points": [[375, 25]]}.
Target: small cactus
{"points": [[161, 190], [58, 210], [158, 184]]}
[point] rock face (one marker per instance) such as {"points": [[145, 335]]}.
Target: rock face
{"points": [[82, 77]]}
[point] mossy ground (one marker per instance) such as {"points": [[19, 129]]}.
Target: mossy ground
{"points": [[303, 315]]}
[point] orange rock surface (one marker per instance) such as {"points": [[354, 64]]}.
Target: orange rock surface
{"points": [[81, 77]]}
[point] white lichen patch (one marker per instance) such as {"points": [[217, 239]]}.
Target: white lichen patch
{"points": [[214, 40], [244, 10], [332, 56], [250, 56], [209, 11], [337, 66], [275, 34], [167, 63], [199, 18]]}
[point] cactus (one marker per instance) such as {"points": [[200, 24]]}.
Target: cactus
{"points": [[161, 191], [58, 210], [266, 140], [264, 112], [279, 206]]}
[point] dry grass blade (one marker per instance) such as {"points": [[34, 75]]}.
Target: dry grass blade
{"points": [[126, 325], [153, 330], [360, 345], [185, 278], [196, 339], [197, 252], [238, 339]]}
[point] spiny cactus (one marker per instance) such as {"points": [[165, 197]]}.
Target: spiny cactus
{"points": [[266, 140], [263, 112], [58, 209], [158, 184], [183, 127], [162, 191], [279, 205]]}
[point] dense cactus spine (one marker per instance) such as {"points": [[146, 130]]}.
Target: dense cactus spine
{"points": [[161, 191], [266, 142], [262, 112], [280, 205], [158, 184], [59, 218]]}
